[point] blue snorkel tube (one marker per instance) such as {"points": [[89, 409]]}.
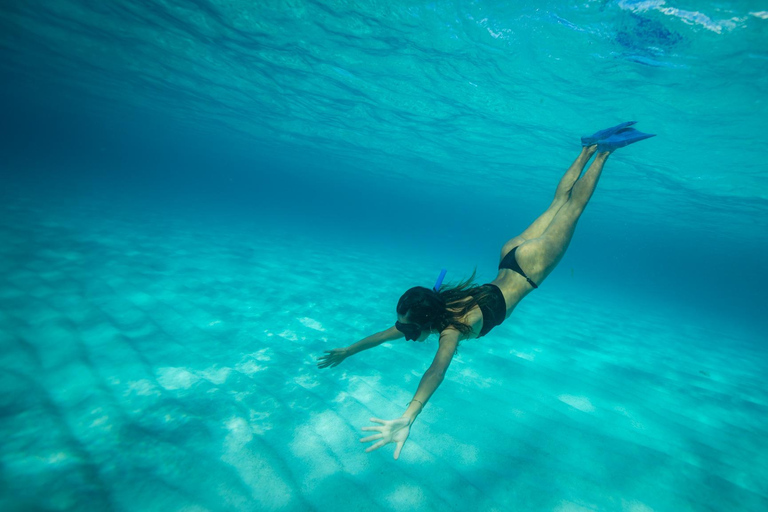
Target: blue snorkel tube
{"points": [[439, 281]]}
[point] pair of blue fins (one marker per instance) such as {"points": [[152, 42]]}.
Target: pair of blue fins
{"points": [[615, 137]]}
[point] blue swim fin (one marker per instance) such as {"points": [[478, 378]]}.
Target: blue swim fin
{"points": [[622, 138], [604, 134]]}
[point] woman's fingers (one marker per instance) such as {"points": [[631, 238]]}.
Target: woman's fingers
{"points": [[371, 438], [398, 448], [376, 446], [331, 358], [391, 432]]}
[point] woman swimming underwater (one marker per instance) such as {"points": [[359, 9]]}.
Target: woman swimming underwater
{"points": [[467, 311]]}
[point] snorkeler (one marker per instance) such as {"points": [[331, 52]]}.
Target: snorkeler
{"points": [[467, 311]]}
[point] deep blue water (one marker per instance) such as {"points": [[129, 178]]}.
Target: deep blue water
{"points": [[329, 155]]}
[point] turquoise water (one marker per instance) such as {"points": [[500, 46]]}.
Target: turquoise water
{"points": [[200, 197]]}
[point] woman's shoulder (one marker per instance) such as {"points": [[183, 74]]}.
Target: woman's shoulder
{"points": [[472, 318]]}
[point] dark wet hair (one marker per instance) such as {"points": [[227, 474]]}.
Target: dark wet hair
{"points": [[429, 309]]}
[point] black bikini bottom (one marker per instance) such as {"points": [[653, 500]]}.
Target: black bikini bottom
{"points": [[510, 262]]}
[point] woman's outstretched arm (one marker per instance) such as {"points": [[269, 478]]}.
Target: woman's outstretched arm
{"points": [[435, 374], [335, 356], [396, 431]]}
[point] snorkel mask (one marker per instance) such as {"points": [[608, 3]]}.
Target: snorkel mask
{"points": [[413, 331]]}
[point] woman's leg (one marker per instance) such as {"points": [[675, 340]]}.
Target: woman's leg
{"points": [[562, 195], [539, 256]]}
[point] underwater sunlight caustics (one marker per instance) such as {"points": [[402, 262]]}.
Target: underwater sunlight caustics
{"points": [[467, 311], [207, 207]]}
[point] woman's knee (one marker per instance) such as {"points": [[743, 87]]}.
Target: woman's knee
{"points": [[573, 210], [563, 194]]}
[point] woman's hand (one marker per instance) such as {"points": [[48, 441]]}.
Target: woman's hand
{"points": [[392, 431], [332, 358]]}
